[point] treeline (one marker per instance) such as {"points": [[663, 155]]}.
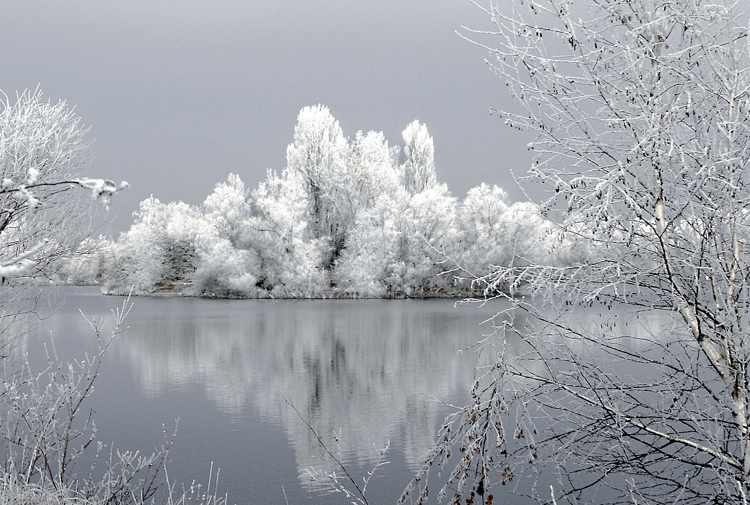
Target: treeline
{"points": [[347, 217]]}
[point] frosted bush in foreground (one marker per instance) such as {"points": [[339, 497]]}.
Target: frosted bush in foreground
{"points": [[50, 454], [44, 212], [48, 435]]}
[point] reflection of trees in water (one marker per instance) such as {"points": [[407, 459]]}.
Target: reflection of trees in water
{"points": [[365, 367]]}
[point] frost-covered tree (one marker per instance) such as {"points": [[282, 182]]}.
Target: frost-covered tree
{"points": [[483, 232], [341, 179], [160, 248], [403, 245], [43, 212], [317, 161], [623, 378], [373, 168], [45, 432], [144, 256], [43, 153], [87, 265], [229, 264], [344, 218], [369, 261], [42, 148], [291, 261], [428, 240], [497, 233], [370, 265], [228, 209], [419, 167], [225, 271], [406, 235], [178, 247]]}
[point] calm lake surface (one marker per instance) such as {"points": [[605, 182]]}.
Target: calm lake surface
{"points": [[367, 371]]}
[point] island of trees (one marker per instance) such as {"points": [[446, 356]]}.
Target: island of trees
{"points": [[347, 217]]}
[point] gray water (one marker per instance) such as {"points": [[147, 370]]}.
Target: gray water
{"points": [[365, 372]]}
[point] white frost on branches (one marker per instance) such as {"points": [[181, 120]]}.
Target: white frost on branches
{"points": [[102, 189], [42, 156]]}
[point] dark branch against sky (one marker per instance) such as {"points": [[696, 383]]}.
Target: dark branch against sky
{"points": [[180, 93]]}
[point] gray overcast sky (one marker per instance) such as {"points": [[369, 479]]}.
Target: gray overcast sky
{"points": [[180, 93]]}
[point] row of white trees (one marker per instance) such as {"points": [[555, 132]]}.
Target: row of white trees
{"points": [[349, 217]]}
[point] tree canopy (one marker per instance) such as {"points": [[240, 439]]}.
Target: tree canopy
{"points": [[347, 217]]}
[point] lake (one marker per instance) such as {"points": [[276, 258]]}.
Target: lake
{"points": [[363, 372]]}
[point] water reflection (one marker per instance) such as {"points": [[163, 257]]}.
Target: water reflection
{"points": [[373, 371], [367, 368]]}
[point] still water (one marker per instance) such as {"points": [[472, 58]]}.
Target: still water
{"points": [[365, 372]]}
